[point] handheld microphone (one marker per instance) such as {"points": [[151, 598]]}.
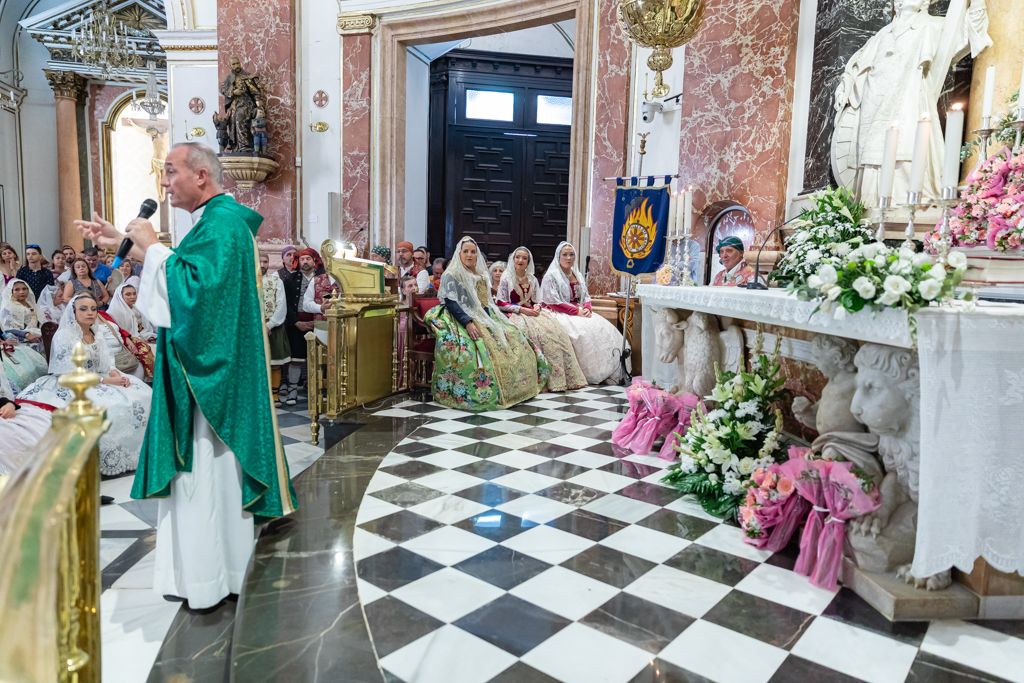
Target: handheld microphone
{"points": [[147, 209]]}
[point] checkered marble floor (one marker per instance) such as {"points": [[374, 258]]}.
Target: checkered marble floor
{"points": [[519, 545], [135, 619]]}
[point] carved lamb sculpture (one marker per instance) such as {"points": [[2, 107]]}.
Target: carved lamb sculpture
{"points": [[696, 346], [886, 402]]}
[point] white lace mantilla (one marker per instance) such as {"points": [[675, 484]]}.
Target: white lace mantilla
{"points": [[776, 307]]}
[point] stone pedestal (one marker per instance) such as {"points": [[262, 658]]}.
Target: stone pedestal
{"points": [[898, 601], [67, 91]]}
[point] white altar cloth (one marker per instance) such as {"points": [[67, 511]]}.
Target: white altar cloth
{"points": [[971, 411]]}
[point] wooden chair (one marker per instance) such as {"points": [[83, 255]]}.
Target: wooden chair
{"points": [[48, 330], [420, 343]]}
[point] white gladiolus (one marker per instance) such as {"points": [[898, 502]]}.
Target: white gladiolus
{"points": [[834, 292], [864, 287], [888, 298]]}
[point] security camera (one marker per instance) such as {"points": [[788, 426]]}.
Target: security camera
{"points": [[648, 110]]}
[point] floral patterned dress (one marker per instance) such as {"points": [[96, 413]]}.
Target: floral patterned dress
{"points": [[487, 374], [544, 331]]}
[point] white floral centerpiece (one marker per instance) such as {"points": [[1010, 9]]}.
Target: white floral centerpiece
{"points": [[825, 233], [724, 446], [876, 277]]}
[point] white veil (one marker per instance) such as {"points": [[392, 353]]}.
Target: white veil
{"points": [[70, 333], [555, 289], [120, 311], [510, 281], [8, 296], [458, 283]]}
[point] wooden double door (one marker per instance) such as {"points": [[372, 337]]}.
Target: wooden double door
{"points": [[502, 176]]}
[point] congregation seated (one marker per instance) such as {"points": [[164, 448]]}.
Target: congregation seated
{"points": [[481, 360], [125, 398], [598, 344], [82, 280], [124, 312], [518, 297]]}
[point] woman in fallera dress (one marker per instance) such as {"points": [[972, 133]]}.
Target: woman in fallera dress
{"points": [[518, 297], [481, 360], [597, 343], [125, 398]]}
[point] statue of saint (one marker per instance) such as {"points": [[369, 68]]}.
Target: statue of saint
{"points": [[897, 77], [242, 94]]}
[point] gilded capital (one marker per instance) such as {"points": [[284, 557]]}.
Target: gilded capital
{"points": [[66, 84], [356, 23]]}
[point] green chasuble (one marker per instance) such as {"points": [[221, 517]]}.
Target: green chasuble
{"points": [[215, 357]]}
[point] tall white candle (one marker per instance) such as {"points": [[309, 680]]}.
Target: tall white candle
{"points": [[888, 170], [920, 159], [954, 138], [673, 209], [990, 95], [688, 212], [679, 214]]}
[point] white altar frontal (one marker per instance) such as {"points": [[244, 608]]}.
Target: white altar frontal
{"points": [[945, 404]]}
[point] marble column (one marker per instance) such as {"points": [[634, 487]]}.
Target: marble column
{"points": [[262, 36], [737, 106], [611, 140], [68, 89], [356, 61], [1006, 25]]}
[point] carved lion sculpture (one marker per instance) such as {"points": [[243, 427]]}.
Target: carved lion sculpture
{"points": [[701, 353], [886, 402], [668, 336]]}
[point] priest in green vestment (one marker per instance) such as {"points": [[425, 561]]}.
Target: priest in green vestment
{"points": [[212, 452]]}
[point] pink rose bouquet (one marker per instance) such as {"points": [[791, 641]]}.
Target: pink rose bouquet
{"points": [[770, 513]]}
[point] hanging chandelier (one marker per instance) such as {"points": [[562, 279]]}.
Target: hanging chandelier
{"points": [[103, 42], [151, 103], [660, 25]]}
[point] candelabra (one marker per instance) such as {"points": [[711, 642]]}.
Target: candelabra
{"points": [[884, 205], [913, 204], [950, 196], [984, 135]]}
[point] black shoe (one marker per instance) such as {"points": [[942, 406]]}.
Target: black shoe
{"points": [[106, 500]]}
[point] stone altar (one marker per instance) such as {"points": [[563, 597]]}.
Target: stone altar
{"points": [[887, 400]]}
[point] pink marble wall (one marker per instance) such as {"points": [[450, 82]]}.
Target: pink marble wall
{"points": [[611, 141], [355, 134], [262, 36], [100, 98], [737, 100]]}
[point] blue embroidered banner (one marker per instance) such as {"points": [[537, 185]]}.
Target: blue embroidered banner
{"points": [[640, 225]]}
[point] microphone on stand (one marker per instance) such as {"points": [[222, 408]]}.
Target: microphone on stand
{"points": [[757, 263], [147, 209]]}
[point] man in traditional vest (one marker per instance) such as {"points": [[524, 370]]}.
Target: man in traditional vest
{"points": [[212, 454]]}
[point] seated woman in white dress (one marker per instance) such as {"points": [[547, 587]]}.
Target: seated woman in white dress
{"points": [[597, 343], [518, 298], [122, 309], [22, 425], [125, 398], [19, 315]]}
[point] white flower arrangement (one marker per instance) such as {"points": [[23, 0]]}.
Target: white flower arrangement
{"points": [[875, 276], [824, 234], [724, 446]]}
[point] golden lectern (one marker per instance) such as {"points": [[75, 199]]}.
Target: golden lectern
{"points": [[352, 356]]}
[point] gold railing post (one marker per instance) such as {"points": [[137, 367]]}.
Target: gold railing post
{"points": [[313, 375], [80, 580]]}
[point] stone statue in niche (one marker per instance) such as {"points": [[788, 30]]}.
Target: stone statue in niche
{"points": [[897, 77], [221, 123], [259, 132], [886, 401], [840, 434], [243, 97]]}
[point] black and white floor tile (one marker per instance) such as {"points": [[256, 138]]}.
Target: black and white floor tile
{"points": [[519, 545], [135, 620]]}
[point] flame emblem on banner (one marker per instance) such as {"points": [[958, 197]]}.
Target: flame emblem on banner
{"points": [[638, 233]]}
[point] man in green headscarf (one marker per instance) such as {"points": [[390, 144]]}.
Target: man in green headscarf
{"points": [[212, 454], [731, 255]]}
